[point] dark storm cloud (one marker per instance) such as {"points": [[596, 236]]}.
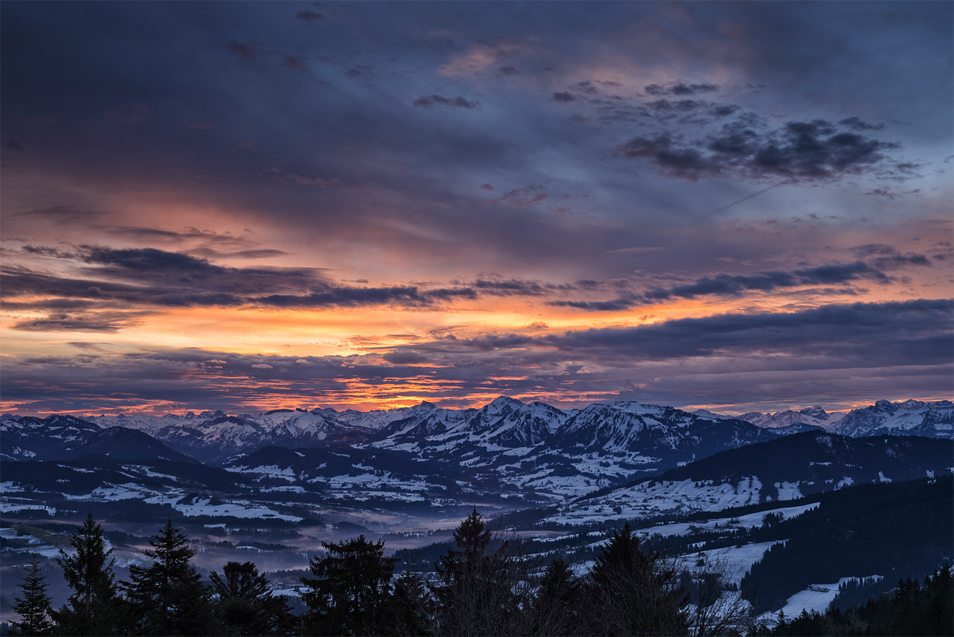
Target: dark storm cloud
{"points": [[901, 261], [799, 151], [228, 245], [723, 110], [732, 285], [616, 305], [149, 265], [245, 51], [295, 62], [309, 16], [48, 251], [680, 88], [147, 277], [724, 284], [859, 124], [509, 287], [74, 323], [453, 102], [919, 332], [676, 105]]}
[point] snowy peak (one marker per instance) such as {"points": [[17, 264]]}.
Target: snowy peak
{"points": [[911, 418], [813, 416]]}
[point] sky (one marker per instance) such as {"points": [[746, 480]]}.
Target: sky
{"points": [[250, 206]]}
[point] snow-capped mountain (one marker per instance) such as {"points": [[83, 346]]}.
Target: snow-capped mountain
{"points": [[814, 416], [520, 450], [783, 469], [908, 418], [525, 451], [27, 436]]}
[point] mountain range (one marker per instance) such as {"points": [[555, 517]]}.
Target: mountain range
{"points": [[530, 453]]}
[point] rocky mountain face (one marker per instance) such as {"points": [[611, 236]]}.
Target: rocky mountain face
{"points": [[786, 468], [284, 465], [908, 418], [530, 450]]}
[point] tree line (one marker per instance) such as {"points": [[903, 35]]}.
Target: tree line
{"points": [[482, 586], [911, 608]]}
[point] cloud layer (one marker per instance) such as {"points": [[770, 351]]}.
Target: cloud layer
{"points": [[367, 204]]}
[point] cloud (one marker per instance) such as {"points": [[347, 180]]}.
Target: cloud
{"points": [[798, 151], [309, 16], [679, 88], [152, 278], [453, 102], [676, 105], [524, 197], [13, 144], [859, 124], [509, 287], [245, 51], [295, 62], [893, 347], [732, 285]]}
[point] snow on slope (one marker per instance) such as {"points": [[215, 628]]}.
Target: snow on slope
{"points": [[649, 499], [911, 417]]}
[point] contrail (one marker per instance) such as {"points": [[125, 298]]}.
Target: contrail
{"points": [[756, 194]]}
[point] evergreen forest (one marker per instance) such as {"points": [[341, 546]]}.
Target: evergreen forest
{"points": [[482, 584]]}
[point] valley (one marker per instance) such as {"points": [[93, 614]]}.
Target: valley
{"points": [[704, 488]]}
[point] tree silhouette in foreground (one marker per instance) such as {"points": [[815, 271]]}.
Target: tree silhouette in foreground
{"points": [[245, 604], [633, 592], [557, 608], [33, 606], [168, 597], [94, 607], [351, 590], [483, 586]]}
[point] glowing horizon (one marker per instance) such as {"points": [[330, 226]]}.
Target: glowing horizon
{"points": [[705, 206]]}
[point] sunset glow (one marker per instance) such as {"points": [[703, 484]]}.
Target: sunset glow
{"points": [[366, 205]]}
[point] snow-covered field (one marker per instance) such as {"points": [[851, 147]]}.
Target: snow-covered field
{"points": [[653, 499], [815, 598]]}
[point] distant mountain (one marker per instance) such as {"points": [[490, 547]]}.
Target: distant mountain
{"points": [[908, 418], [118, 443], [521, 452], [786, 468], [23, 437], [813, 416]]}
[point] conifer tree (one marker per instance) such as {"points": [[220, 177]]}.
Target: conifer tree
{"points": [[168, 596], [482, 586], [94, 606], [351, 591], [33, 606], [633, 592], [414, 606], [245, 604], [557, 607]]}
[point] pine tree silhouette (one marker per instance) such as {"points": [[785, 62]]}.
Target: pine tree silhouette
{"points": [[351, 590], [33, 606], [168, 597], [94, 607]]}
